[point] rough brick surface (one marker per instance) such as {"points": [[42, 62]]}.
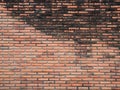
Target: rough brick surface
{"points": [[59, 45]]}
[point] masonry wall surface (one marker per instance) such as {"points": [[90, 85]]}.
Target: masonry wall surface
{"points": [[59, 44]]}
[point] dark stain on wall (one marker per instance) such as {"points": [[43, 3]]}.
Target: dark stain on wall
{"points": [[86, 22], [96, 18]]}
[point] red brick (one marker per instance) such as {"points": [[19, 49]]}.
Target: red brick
{"points": [[76, 47]]}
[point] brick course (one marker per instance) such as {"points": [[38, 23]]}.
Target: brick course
{"points": [[59, 45]]}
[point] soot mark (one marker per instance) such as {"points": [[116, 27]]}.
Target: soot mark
{"points": [[53, 22]]}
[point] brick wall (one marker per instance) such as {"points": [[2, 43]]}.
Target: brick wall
{"points": [[59, 45]]}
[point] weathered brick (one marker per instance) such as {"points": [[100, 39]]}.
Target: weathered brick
{"points": [[59, 45]]}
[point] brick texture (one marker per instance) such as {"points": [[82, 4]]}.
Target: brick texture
{"points": [[59, 44]]}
